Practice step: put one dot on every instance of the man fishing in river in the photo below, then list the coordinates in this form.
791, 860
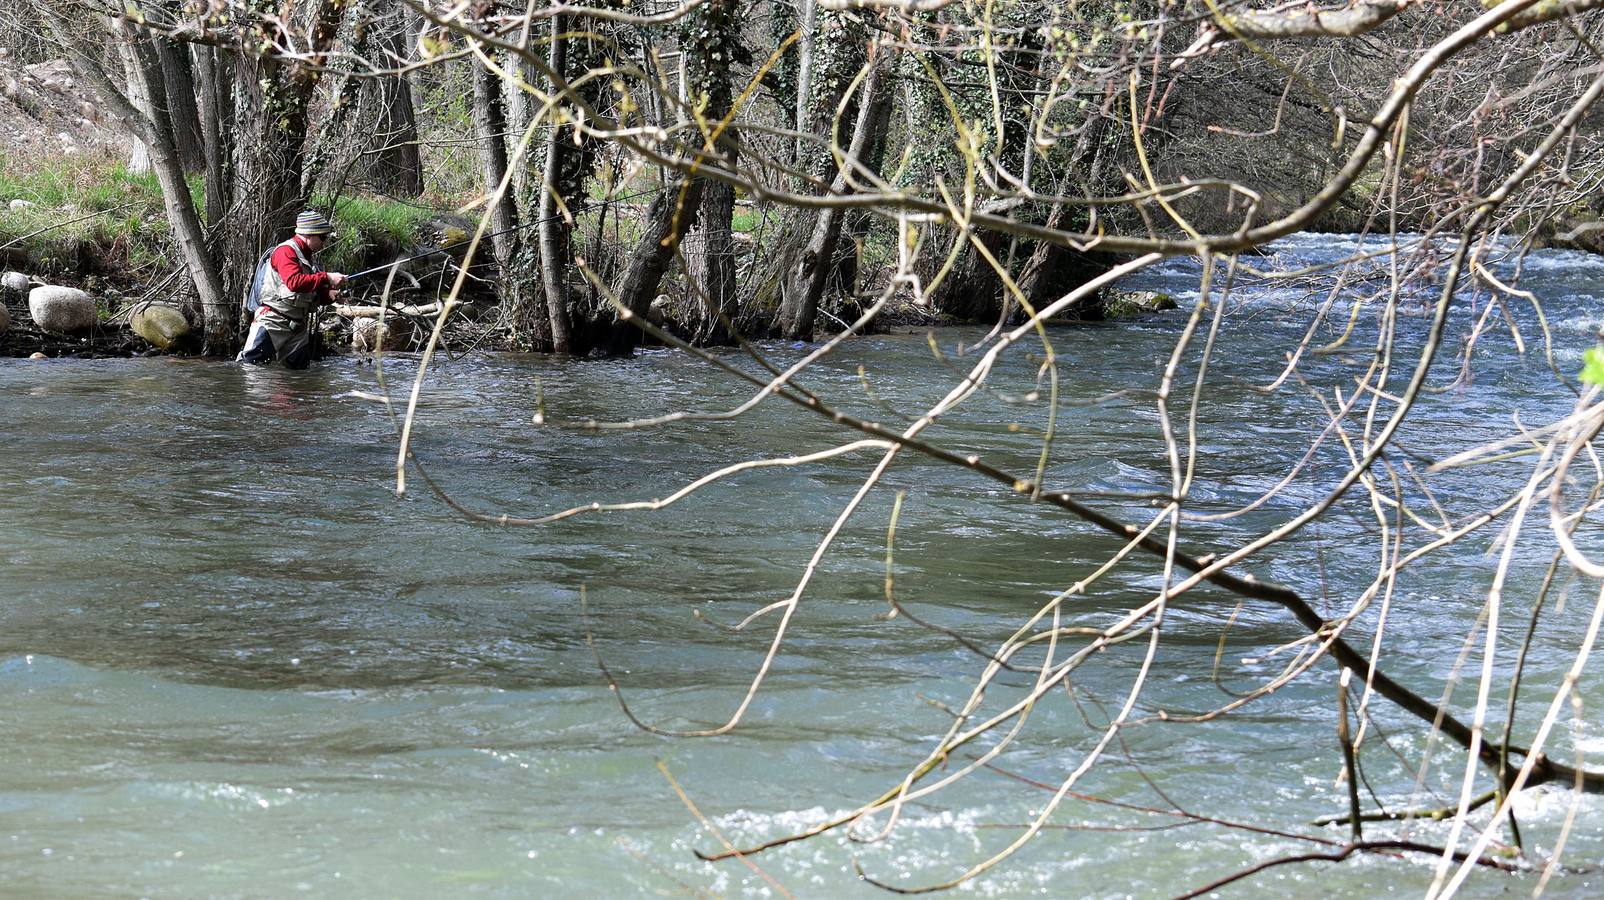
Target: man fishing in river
289, 284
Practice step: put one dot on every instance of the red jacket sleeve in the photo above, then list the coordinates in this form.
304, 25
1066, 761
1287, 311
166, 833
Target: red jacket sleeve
298, 279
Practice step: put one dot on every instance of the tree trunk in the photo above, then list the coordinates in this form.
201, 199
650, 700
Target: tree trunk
709, 42
178, 77
180, 204
710, 259
807, 47
139, 154
150, 122
267, 167
845, 267
669, 218
490, 126
391, 162
556, 237
215, 73
272, 115
804, 287
834, 48
1053, 270
520, 110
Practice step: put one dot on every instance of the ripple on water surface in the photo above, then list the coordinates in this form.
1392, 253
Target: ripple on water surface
233, 661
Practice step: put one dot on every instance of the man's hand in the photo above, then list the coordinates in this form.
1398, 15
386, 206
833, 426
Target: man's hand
336, 279
334, 297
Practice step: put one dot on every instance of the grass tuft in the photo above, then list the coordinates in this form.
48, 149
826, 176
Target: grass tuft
88, 216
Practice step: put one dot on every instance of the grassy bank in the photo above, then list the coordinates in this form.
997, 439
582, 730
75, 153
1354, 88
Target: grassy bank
80, 220
90, 222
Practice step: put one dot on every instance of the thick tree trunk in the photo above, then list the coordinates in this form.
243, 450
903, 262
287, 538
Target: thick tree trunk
710, 259
834, 48
391, 162
709, 42
556, 237
804, 286
1052, 271
215, 73
268, 164
273, 101
669, 218
845, 267
178, 77
490, 126
710, 256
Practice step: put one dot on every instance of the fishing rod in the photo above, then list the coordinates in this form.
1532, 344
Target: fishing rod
463, 243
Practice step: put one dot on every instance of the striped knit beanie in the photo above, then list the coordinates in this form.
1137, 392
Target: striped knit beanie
312, 223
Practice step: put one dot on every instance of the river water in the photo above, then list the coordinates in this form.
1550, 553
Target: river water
234, 663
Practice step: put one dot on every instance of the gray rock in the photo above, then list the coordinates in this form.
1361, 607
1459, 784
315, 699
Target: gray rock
1130, 303
658, 312
61, 309
14, 283
162, 326
20, 203
368, 335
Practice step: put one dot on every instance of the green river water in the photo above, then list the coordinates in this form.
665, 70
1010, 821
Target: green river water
234, 664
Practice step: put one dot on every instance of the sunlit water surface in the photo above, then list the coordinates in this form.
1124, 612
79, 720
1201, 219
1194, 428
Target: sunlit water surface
234, 663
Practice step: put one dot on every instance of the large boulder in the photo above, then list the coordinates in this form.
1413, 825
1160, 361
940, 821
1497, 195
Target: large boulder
368, 335
14, 283
61, 309
162, 326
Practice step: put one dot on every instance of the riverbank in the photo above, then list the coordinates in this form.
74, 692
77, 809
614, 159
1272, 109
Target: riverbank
85, 222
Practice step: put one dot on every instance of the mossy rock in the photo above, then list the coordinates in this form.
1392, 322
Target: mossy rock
1122, 304
163, 327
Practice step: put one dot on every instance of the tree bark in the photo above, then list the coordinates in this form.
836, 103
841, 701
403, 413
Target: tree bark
490, 126
391, 162
804, 285
556, 237
671, 215
215, 73
179, 89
